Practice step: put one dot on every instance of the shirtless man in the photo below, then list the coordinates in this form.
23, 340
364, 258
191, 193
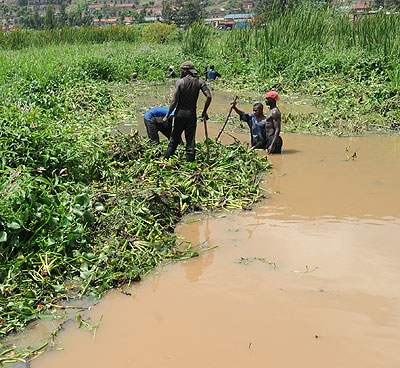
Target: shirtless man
273, 124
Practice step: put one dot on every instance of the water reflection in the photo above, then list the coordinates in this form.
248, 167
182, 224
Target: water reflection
193, 274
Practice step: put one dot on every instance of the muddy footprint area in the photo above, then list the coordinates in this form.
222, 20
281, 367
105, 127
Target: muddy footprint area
308, 277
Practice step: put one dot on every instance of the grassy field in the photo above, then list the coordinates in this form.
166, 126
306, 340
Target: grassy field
83, 211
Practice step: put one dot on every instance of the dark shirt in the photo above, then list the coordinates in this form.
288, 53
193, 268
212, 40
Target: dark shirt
189, 93
211, 75
257, 130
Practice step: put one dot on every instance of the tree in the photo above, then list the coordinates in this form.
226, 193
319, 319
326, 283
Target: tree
122, 16
392, 4
167, 13
142, 14
268, 8
62, 16
36, 20
191, 12
49, 19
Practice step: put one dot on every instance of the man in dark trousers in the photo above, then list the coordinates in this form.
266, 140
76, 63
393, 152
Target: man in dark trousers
153, 121
185, 97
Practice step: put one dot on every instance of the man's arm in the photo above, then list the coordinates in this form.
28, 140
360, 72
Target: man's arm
175, 99
276, 121
239, 112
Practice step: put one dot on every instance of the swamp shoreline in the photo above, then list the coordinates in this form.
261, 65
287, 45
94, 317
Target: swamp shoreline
62, 172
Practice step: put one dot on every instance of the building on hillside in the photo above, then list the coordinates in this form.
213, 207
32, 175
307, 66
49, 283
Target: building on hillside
248, 4
213, 21
236, 21
105, 22
361, 7
93, 7
125, 6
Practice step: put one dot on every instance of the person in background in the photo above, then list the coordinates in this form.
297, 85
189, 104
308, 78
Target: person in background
211, 74
185, 97
153, 120
171, 72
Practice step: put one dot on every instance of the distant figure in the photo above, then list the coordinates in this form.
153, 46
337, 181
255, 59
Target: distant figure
134, 77
153, 120
261, 131
171, 72
211, 74
185, 97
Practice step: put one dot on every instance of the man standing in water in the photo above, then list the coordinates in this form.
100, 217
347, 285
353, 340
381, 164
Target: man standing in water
185, 97
273, 125
256, 122
264, 131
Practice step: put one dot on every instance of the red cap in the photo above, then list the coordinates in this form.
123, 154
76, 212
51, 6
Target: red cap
272, 94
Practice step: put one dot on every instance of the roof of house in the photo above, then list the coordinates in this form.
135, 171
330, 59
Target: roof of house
109, 20
361, 6
238, 16
124, 5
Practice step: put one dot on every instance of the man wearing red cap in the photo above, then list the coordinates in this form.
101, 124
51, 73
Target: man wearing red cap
273, 124
264, 130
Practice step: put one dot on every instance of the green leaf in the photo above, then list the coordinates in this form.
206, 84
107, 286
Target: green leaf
77, 212
88, 216
14, 225
98, 206
58, 288
82, 199
3, 236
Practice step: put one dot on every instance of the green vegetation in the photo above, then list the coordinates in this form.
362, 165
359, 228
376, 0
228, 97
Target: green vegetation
83, 210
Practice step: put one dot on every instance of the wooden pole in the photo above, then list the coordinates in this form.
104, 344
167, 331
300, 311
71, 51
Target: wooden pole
207, 143
226, 120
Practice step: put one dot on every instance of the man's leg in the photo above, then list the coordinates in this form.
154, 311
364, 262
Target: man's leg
278, 145
190, 136
166, 129
152, 130
175, 137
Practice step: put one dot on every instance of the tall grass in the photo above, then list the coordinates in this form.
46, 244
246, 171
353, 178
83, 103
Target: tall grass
20, 38
196, 40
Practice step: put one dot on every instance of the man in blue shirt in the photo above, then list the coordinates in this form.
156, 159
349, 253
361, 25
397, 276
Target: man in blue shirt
261, 137
211, 74
153, 120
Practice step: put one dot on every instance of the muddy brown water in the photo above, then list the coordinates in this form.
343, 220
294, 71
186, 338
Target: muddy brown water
308, 278
331, 226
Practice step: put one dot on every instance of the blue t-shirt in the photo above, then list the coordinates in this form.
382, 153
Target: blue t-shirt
257, 130
157, 112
